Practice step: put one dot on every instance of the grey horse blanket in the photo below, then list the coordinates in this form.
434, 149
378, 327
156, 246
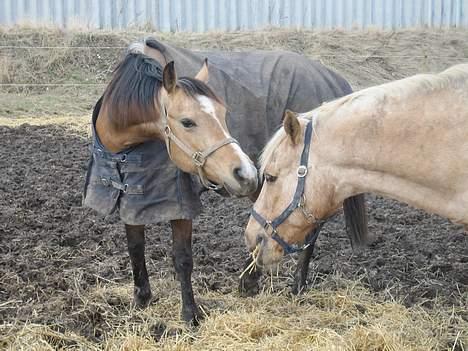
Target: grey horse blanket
257, 86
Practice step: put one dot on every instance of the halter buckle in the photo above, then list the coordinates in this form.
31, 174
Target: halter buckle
301, 171
198, 159
167, 131
310, 218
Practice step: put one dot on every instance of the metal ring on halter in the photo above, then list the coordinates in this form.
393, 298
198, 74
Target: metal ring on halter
301, 171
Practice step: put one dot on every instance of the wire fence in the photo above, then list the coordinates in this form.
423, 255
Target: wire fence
63, 47
361, 57
317, 55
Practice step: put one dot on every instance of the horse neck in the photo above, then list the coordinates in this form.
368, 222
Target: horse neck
117, 139
393, 149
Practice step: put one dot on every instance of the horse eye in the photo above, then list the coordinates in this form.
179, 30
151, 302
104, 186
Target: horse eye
188, 123
269, 178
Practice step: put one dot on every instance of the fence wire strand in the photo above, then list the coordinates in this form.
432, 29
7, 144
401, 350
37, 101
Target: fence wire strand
318, 55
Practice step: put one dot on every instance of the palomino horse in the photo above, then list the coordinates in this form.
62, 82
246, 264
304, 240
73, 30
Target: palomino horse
257, 87
407, 140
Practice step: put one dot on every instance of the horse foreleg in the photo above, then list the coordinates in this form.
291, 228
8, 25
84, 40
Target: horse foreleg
249, 282
183, 264
136, 250
302, 270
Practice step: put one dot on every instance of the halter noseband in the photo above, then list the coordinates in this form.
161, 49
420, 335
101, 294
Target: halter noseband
298, 202
198, 157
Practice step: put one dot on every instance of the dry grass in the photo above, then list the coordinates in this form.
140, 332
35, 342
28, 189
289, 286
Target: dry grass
339, 316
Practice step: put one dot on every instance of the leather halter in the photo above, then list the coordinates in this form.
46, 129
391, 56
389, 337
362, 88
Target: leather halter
198, 157
298, 202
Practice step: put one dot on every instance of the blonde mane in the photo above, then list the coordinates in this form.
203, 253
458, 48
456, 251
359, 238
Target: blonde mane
406, 88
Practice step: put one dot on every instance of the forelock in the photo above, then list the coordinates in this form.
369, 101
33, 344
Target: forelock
270, 148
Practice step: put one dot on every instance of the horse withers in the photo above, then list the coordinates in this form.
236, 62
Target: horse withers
405, 140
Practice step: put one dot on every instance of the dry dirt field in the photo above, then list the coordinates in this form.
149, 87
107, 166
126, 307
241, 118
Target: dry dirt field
65, 276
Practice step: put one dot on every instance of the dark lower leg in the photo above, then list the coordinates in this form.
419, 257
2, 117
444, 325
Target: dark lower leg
183, 264
249, 282
136, 250
302, 270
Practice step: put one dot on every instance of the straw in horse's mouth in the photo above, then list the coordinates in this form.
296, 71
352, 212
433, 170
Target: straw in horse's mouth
253, 265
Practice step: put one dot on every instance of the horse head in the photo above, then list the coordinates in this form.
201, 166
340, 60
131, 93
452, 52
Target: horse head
295, 196
144, 101
197, 137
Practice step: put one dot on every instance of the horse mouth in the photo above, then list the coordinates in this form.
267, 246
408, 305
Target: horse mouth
223, 192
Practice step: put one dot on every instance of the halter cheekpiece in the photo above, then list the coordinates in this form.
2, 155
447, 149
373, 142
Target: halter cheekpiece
198, 157
298, 202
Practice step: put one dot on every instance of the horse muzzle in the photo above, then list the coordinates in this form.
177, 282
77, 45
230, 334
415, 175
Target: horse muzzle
245, 181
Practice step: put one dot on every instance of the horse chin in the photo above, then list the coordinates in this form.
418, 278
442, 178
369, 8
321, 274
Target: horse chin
237, 191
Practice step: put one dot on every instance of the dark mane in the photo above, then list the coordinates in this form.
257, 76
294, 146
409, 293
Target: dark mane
130, 97
193, 87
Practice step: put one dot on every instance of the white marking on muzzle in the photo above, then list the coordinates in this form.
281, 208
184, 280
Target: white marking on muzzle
248, 170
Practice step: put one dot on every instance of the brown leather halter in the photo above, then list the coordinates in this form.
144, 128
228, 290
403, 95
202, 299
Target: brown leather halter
198, 157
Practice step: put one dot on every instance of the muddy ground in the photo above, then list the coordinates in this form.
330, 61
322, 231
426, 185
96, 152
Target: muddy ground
48, 243
52, 249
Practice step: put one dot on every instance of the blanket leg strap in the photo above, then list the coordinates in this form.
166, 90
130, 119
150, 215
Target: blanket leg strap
125, 188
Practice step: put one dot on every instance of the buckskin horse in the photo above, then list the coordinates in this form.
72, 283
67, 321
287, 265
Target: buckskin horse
131, 171
407, 140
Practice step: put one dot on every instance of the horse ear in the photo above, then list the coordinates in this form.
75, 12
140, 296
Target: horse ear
292, 126
169, 78
203, 74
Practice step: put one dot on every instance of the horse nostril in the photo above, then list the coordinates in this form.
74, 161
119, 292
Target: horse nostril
238, 174
247, 178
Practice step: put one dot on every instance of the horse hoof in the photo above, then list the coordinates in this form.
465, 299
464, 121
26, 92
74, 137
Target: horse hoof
142, 297
192, 315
